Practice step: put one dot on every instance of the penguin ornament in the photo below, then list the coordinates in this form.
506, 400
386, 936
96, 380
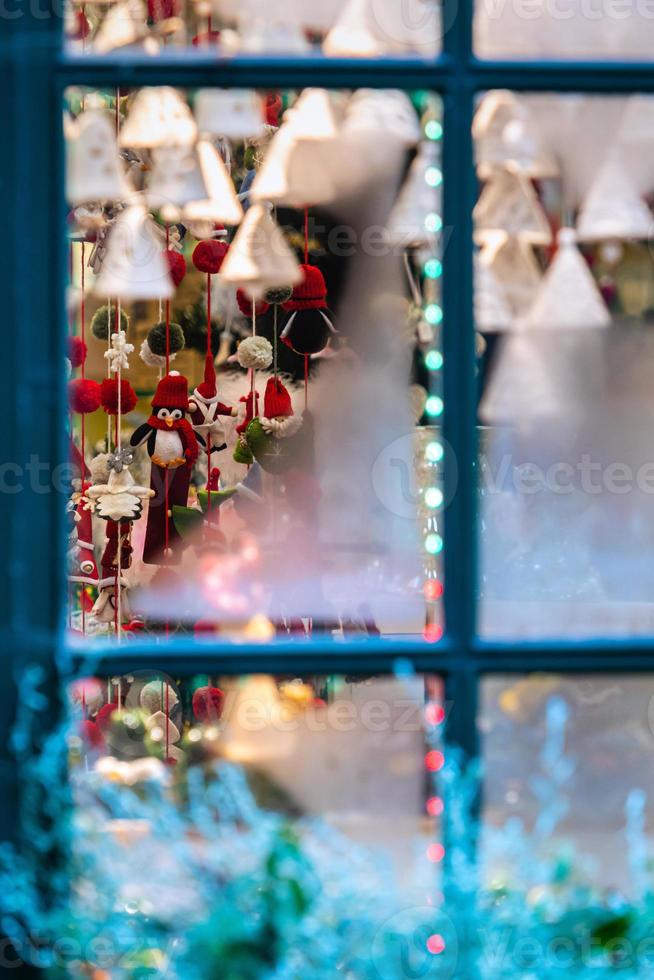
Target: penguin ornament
308, 328
173, 449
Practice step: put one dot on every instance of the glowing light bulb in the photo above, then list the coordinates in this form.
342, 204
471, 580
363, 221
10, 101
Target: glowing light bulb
434, 406
432, 633
433, 314
433, 590
434, 806
434, 544
434, 760
435, 853
434, 360
435, 944
434, 714
433, 497
433, 177
434, 452
433, 130
433, 269
433, 222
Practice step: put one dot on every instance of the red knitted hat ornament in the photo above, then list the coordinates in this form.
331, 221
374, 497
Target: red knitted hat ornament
208, 703
172, 392
109, 396
311, 293
83, 396
207, 388
209, 255
246, 305
91, 734
176, 265
76, 351
276, 400
103, 717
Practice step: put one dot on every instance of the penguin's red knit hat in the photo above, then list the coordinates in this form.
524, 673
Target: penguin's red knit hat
311, 293
172, 392
276, 401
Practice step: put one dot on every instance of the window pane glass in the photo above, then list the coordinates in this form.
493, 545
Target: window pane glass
225, 28
318, 404
564, 299
593, 29
567, 780
296, 824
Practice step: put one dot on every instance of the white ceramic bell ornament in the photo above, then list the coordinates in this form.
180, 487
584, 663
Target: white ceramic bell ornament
388, 113
259, 258
506, 133
234, 113
313, 116
175, 180
409, 222
296, 172
515, 268
523, 387
509, 203
568, 297
134, 266
220, 204
124, 24
492, 311
94, 170
159, 116
352, 35
613, 209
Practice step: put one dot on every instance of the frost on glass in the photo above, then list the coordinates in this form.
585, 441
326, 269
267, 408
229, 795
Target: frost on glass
564, 294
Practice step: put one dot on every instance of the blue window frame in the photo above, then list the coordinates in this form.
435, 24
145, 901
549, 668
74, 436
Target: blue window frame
34, 73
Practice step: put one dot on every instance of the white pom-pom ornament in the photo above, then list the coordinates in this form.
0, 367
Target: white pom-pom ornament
255, 353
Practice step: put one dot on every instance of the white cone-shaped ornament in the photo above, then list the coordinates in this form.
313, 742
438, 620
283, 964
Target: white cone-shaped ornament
613, 208
296, 172
313, 117
94, 171
159, 117
505, 134
192, 181
352, 35
124, 24
522, 387
412, 25
134, 266
234, 113
515, 268
568, 297
637, 122
372, 112
509, 203
492, 311
259, 258
409, 223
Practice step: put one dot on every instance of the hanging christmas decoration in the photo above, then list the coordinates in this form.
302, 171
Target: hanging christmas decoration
134, 266
506, 135
176, 266
568, 297
409, 222
492, 311
206, 410
192, 183
94, 172
117, 398
515, 269
158, 117
613, 208
509, 203
255, 353
105, 318
308, 329
121, 499
124, 25
259, 257
84, 396
234, 113
173, 449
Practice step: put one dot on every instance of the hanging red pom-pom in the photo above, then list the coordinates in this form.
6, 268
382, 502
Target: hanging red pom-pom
208, 703
206, 39
176, 265
83, 396
209, 255
245, 304
311, 293
76, 351
109, 396
273, 108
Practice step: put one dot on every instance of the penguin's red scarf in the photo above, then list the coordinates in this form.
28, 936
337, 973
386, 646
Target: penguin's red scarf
186, 434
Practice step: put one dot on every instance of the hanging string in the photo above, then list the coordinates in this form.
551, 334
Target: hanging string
83, 432
275, 341
306, 236
167, 314
120, 529
306, 381
209, 353
167, 720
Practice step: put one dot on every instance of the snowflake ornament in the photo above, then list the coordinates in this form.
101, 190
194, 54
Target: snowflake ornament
117, 355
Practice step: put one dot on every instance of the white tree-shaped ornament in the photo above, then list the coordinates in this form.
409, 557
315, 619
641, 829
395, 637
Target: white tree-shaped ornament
134, 266
259, 258
159, 116
509, 203
94, 171
613, 208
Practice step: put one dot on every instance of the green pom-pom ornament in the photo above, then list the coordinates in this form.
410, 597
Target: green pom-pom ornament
157, 339
101, 321
278, 295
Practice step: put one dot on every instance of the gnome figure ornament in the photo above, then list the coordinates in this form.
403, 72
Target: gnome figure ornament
173, 448
206, 410
265, 436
